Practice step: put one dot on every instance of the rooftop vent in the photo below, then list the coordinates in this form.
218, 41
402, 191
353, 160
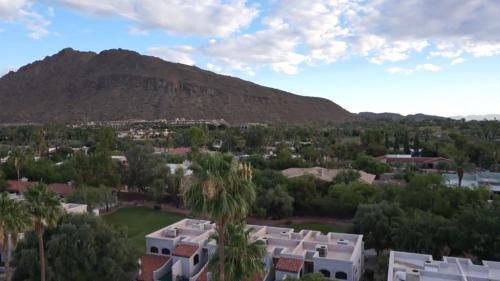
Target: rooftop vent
342, 242
171, 233
322, 250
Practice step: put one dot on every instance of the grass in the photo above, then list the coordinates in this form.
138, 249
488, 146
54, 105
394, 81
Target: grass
324, 228
141, 221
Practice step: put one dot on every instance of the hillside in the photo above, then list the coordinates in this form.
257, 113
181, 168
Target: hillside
120, 85
398, 117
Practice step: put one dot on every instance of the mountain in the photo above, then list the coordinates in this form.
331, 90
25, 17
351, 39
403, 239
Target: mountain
122, 85
477, 117
398, 117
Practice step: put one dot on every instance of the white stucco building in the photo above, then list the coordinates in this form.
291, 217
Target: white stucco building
290, 254
419, 267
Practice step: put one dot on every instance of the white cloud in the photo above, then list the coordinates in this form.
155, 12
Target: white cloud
179, 54
428, 67
446, 54
457, 61
420, 67
21, 11
209, 17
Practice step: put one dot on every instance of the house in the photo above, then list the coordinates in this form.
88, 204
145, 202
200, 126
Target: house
407, 159
322, 174
487, 179
173, 167
188, 245
181, 151
18, 187
405, 266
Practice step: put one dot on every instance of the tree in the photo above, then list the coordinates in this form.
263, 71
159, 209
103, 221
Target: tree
14, 219
196, 136
141, 163
80, 247
370, 165
346, 176
18, 157
243, 257
312, 277
274, 203
93, 197
223, 191
45, 210
3, 182
374, 222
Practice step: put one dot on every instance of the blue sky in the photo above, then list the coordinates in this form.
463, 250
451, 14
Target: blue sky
436, 57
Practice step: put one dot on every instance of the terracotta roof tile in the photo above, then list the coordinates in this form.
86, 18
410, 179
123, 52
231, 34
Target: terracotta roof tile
184, 250
62, 189
149, 264
289, 265
203, 276
19, 186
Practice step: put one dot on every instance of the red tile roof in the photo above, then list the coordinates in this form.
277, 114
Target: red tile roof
184, 250
289, 265
62, 189
149, 264
179, 150
19, 186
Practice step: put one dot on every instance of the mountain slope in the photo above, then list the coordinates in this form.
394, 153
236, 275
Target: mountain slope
398, 117
120, 85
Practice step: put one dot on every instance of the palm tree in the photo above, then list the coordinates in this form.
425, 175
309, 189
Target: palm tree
243, 258
14, 219
223, 191
18, 157
45, 209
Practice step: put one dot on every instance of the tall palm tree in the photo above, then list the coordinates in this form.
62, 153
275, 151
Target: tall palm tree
45, 209
18, 157
14, 219
223, 191
243, 258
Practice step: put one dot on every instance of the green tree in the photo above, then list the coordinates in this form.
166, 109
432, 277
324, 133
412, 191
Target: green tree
274, 203
3, 181
45, 210
370, 165
374, 222
14, 219
93, 197
80, 247
312, 277
196, 136
18, 158
243, 257
223, 191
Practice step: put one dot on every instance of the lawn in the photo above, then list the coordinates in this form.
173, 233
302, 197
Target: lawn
324, 228
141, 221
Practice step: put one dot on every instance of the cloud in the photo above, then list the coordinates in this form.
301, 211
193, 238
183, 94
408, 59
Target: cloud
179, 54
457, 61
210, 17
21, 11
420, 67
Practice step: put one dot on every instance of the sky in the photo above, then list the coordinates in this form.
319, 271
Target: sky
413, 56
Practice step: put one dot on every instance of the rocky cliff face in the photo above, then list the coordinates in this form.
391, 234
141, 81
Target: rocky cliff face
119, 85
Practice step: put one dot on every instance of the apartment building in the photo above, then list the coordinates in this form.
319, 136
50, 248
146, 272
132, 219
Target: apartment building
420, 267
188, 246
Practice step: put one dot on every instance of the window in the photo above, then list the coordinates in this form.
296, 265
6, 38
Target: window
165, 251
341, 275
196, 259
153, 250
325, 273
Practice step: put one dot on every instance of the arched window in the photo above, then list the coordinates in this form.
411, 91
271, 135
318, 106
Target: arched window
165, 251
153, 250
341, 275
196, 259
325, 273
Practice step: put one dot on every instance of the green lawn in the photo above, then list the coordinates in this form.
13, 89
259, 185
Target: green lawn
141, 221
324, 228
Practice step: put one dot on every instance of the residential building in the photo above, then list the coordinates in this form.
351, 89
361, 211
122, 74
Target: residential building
405, 266
173, 167
60, 189
407, 159
322, 174
487, 179
289, 254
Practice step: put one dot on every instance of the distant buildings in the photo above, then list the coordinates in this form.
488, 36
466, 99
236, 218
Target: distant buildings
60, 189
487, 179
183, 249
184, 166
419, 267
325, 175
407, 159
